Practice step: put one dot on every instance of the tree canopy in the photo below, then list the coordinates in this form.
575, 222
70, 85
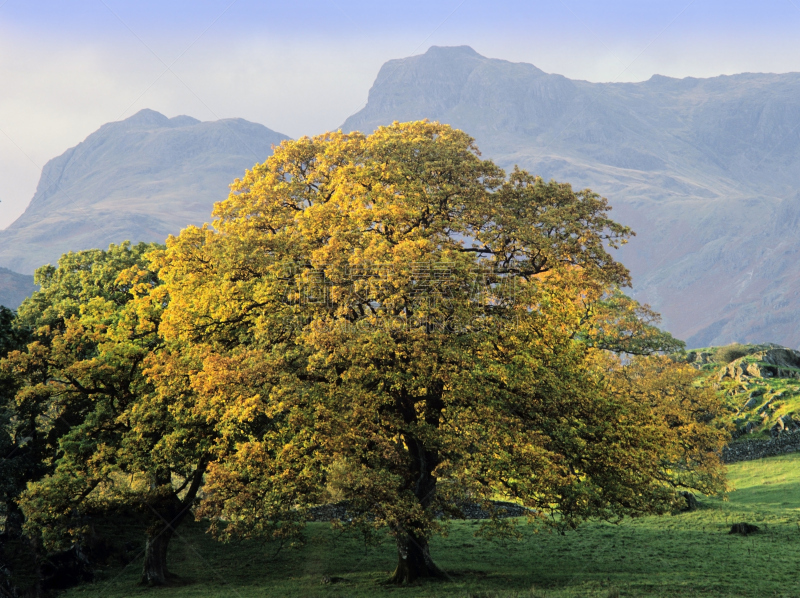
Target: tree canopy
394, 316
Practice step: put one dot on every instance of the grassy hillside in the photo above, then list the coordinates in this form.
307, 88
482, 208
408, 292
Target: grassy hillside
761, 385
687, 554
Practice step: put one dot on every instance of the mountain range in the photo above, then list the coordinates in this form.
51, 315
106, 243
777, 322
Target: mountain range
706, 171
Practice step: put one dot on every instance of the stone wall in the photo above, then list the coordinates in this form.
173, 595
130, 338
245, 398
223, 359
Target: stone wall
747, 450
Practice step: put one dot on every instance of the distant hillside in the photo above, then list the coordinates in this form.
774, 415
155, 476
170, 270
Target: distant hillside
706, 171
139, 179
14, 288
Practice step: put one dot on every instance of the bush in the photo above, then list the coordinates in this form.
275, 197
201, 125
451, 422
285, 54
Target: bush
731, 352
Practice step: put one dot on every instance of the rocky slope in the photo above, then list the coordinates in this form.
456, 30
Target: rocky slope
761, 385
706, 171
139, 179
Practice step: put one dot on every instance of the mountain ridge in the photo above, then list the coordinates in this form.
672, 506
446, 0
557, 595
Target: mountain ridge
705, 170
14, 288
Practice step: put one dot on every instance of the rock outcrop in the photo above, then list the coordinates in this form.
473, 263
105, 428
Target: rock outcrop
758, 448
743, 529
775, 362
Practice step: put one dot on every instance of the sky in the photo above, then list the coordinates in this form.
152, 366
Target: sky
302, 67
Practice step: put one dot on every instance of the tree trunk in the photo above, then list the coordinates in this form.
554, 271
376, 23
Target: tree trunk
14, 520
170, 511
154, 570
26, 553
414, 558
414, 561
413, 554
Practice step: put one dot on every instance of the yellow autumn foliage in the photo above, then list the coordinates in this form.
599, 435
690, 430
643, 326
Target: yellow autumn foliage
395, 303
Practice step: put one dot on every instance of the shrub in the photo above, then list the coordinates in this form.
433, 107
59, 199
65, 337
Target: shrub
731, 352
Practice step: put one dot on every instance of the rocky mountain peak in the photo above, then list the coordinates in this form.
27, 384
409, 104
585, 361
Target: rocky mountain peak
139, 179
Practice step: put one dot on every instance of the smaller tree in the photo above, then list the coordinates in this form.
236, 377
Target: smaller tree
687, 414
114, 439
22, 460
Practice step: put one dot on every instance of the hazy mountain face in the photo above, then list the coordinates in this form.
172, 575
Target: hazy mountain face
706, 171
14, 288
140, 179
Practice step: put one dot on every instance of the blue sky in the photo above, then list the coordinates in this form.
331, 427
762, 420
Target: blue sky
302, 67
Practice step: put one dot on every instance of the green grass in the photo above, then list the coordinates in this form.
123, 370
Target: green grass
689, 554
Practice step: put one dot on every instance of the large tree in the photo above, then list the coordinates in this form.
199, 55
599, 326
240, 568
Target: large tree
396, 317
107, 437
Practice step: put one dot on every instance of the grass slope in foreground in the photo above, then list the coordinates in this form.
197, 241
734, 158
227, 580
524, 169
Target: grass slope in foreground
689, 554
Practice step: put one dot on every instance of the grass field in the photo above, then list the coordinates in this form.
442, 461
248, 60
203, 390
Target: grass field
689, 554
